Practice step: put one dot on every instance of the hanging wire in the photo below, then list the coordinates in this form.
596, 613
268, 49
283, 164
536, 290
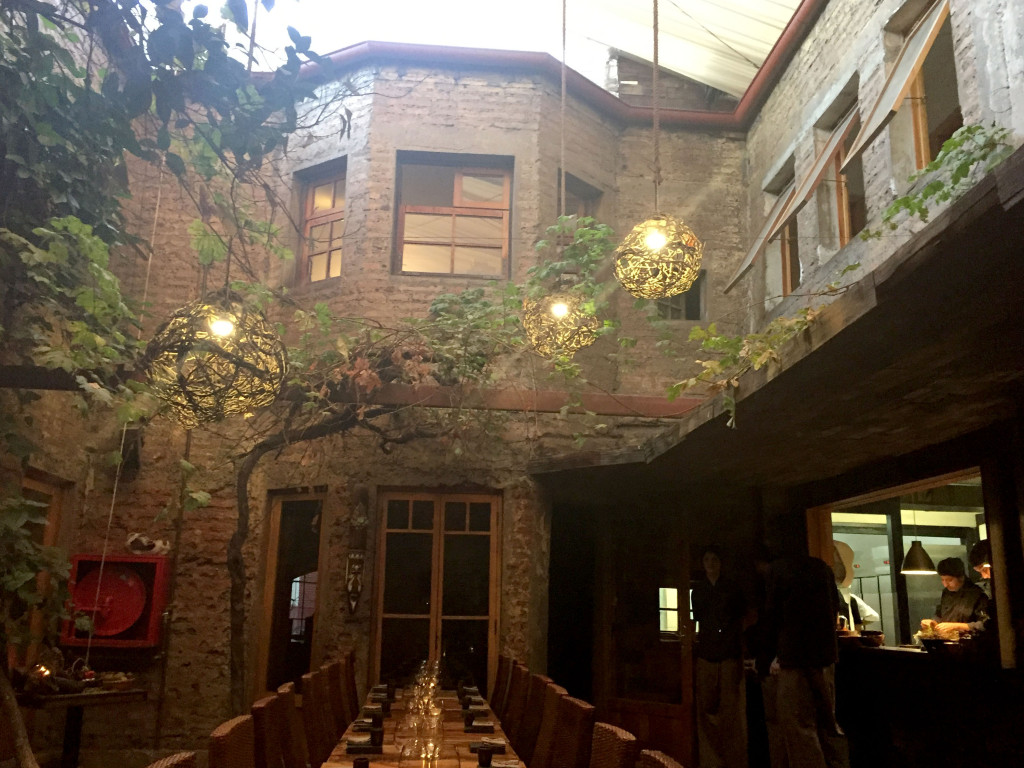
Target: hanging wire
654, 111
561, 175
124, 427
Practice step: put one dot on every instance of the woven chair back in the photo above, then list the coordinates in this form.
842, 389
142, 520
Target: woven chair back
529, 727
499, 692
544, 751
295, 752
232, 744
269, 722
574, 732
314, 720
350, 691
613, 747
652, 758
177, 760
518, 689
335, 694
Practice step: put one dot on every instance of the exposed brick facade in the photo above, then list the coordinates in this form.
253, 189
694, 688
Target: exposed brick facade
713, 179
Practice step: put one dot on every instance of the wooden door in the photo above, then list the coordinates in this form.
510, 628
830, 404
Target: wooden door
643, 669
290, 594
437, 594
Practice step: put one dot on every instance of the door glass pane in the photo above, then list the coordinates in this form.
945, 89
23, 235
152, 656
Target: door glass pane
483, 188
455, 516
427, 258
423, 515
464, 649
481, 230
435, 228
404, 644
398, 513
292, 617
477, 261
480, 516
407, 573
467, 563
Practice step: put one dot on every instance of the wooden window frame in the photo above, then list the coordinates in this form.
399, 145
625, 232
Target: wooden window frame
788, 253
311, 219
461, 207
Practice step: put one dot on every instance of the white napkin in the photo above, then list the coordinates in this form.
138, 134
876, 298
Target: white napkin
493, 741
359, 740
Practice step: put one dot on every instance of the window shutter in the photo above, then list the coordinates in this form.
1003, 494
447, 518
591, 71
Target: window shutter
782, 203
907, 65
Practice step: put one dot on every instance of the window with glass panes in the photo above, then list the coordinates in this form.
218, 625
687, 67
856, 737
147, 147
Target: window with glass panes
453, 221
324, 227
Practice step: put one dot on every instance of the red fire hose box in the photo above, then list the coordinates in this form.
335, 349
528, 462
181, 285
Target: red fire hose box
124, 595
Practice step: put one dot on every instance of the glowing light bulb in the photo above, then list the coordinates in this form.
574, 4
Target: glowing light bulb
221, 326
655, 239
560, 309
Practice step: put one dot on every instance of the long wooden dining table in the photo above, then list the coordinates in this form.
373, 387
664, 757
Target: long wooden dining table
455, 752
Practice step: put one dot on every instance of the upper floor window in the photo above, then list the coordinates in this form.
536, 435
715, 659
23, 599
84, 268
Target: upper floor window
581, 199
923, 77
453, 219
842, 205
324, 226
688, 305
783, 271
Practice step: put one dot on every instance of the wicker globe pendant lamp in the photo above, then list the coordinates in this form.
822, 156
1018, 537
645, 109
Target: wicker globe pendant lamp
661, 256
560, 323
216, 357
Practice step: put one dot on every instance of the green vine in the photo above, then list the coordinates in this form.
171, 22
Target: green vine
948, 176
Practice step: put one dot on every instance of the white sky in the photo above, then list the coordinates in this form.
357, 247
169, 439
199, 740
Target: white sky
527, 25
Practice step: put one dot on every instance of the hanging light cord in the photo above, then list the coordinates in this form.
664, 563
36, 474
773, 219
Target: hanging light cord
124, 428
654, 111
561, 174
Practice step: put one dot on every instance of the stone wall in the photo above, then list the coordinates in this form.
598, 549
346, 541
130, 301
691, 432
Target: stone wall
849, 43
392, 109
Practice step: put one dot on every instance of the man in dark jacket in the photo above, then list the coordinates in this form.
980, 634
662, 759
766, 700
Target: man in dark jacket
802, 605
718, 608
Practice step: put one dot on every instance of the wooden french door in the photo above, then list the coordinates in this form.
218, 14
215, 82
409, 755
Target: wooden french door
437, 591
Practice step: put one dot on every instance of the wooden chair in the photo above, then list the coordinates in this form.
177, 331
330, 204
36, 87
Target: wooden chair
232, 744
574, 733
314, 723
517, 691
349, 689
499, 691
335, 694
529, 726
296, 753
544, 750
613, 747
269, 719
652, 758
178, 760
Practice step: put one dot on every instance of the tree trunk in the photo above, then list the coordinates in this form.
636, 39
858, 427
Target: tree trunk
9, 711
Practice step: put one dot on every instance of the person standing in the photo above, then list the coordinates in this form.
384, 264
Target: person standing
802, 606
719, 607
